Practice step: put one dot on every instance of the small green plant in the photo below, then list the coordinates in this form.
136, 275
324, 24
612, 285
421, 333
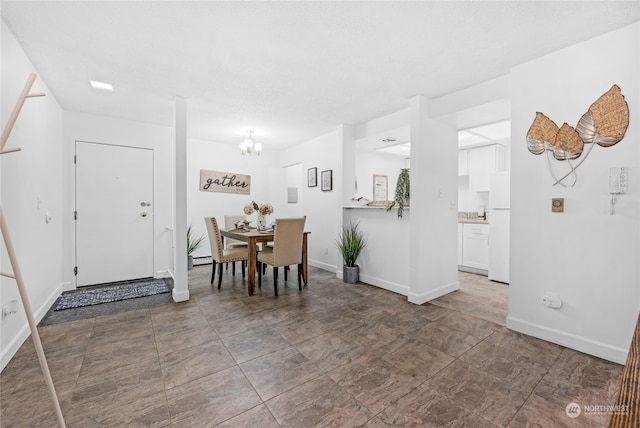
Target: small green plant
193, 243
401, 198
350, 242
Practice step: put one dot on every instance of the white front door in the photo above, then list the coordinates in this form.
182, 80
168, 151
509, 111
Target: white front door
114, 213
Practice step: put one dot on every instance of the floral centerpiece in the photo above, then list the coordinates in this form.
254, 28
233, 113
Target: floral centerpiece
262, 210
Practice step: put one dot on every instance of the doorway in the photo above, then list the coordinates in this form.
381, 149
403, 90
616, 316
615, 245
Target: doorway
113, 213
483, 221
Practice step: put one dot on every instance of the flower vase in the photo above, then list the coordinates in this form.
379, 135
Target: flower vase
262, 222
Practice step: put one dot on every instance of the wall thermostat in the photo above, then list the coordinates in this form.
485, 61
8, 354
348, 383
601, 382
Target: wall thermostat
557, 205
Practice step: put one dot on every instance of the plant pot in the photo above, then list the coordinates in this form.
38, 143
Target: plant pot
350, 274
189, 262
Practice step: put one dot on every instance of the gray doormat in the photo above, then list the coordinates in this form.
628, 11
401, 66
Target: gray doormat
111, 293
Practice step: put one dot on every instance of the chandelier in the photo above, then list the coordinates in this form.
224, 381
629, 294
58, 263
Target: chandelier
249, 147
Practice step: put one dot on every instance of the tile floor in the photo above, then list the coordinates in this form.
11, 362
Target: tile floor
333, 355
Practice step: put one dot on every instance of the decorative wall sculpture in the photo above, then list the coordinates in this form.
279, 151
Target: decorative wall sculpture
605, 124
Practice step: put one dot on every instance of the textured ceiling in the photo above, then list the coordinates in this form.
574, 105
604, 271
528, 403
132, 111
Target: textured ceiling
291, 70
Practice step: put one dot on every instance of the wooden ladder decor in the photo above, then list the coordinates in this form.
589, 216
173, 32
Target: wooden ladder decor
17, 275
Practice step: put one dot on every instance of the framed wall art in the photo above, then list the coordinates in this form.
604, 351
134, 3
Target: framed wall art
327, 180
380, 188
226, 182
312, 177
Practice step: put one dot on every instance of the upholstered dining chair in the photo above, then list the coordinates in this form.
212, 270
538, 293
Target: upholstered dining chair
286, 250
230, 223
221, 255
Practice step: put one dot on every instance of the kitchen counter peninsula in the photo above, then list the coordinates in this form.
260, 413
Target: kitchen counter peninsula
384, 261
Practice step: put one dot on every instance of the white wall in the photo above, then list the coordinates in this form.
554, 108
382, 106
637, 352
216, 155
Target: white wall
271, 173
86, 127
323, 209
385, 260
369, 163
585, 255
31, 188
434, 205
469, 200
297, 179
212, 156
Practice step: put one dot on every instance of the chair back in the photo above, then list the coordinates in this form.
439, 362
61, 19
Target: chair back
230, 223
215, 240
287, 241
231, 220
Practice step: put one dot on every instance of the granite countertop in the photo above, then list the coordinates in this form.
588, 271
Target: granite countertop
473, 220
471, 217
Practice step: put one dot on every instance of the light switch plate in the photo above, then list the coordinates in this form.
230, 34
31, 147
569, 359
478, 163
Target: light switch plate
557, 205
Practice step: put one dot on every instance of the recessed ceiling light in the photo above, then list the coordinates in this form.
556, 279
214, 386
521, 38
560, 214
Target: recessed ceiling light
101, 85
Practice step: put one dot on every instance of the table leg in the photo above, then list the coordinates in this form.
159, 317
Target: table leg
251, 268
305, 270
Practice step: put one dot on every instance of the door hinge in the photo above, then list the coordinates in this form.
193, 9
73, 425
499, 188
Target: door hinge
75, 215
75, 271
75, 159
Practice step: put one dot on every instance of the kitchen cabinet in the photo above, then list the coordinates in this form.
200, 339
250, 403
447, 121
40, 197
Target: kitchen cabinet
475, 245
481, 163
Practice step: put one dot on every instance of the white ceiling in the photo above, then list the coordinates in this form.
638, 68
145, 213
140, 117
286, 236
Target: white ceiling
289, 70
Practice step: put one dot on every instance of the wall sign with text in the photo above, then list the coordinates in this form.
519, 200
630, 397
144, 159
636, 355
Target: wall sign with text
227, 182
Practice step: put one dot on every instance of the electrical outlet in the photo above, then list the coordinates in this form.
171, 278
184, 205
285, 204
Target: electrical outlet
552, 300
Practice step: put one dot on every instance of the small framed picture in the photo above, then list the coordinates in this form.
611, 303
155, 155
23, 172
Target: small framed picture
380, 190
312, 177
327, 180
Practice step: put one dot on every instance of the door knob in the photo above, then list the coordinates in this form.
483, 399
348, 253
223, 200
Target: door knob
143, 214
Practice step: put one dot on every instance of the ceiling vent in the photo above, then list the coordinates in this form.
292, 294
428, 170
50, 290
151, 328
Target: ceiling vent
388, 140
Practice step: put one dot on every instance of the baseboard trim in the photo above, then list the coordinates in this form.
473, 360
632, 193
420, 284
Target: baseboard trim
470, 269
382, 283
579, 343
23, 334
321, 265
420, 299
161, 274
68, 286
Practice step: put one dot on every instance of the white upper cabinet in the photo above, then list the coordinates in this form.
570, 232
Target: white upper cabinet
481, 163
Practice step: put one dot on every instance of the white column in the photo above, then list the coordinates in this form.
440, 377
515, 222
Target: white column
346, 133
180, 288
433, 205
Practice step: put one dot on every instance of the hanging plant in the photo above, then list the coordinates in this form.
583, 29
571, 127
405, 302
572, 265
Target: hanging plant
401, 198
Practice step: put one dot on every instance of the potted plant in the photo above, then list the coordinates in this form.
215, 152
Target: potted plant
350, 242
193, 244
401, 198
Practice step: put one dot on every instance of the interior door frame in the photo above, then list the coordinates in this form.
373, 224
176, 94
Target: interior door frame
75, 205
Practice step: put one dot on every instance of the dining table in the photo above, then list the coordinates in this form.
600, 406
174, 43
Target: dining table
254, 236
